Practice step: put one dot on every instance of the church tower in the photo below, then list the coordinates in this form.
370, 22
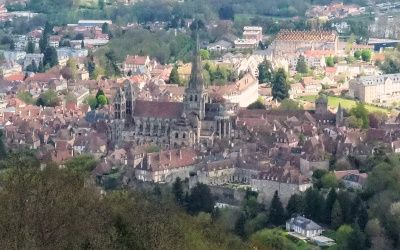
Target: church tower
119, 104
339, 116
195, 93
129, 99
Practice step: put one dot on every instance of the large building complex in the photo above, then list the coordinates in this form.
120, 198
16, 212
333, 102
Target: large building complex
381, 89
288, 41
197, 120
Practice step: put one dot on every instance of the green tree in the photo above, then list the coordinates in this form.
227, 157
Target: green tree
239, 228
259, 104
276, 211
329, 181
105, 29
362, 216
48, 99
301, 66
357, 54
200, 199
290, 105
356, 240
313, 205
102, 100
204, 54
366, 55
43, 42
174, 76
343, 234
280, 87
268, 239
329, 202
360, 112
336, 215
26, 97
295, 205
30, 49
177, 190
50, 57
91, 100
265, 72
329, 61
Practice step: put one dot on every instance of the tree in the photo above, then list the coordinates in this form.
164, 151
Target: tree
91, 100
226, 13
174, 76
362, 216
43, 42
276, 211
268, 239
329, 203
48, 99
102, 100
101, 4
239, 228
290, 105
357, 54
343, 234
356, 240
204, 54
329, 61
295, 205
301, 66
105, 29
12, 45
265, 72
200, 199
50, 57
366, 55
313, 204
280, 88
361, 113
391, 65
329, 181
377, 119
259, 104
30, 49
336, 215
177, 190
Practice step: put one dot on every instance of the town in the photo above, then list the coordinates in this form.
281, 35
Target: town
291, 127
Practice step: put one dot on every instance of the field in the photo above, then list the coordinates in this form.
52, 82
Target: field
333, 102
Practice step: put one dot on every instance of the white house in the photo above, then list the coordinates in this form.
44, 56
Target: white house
303, 226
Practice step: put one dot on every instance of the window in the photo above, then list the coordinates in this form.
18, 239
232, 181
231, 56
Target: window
176, 136
195, 98
184, 135
191, 98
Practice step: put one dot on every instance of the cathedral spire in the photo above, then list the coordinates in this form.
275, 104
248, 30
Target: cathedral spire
196, 80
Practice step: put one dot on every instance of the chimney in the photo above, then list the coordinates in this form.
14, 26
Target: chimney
180, 154
169, 155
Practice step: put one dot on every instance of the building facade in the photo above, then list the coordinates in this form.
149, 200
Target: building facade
381, 89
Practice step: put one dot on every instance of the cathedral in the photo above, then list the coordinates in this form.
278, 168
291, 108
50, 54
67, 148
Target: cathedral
198, 120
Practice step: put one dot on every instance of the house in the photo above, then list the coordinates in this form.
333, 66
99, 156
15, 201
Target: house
165, 166
29, 58
136, 63
352, 178
303, 226
219, 46
246, 43
54, 41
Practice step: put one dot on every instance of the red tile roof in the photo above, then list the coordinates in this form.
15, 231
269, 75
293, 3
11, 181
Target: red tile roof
158, 109
136, 60
15, 77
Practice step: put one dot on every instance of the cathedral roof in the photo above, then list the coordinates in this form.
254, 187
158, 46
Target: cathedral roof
170, 110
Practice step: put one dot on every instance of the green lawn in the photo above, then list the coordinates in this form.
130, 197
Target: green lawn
333, 102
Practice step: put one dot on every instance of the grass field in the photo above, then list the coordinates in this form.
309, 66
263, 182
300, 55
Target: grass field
333, 102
